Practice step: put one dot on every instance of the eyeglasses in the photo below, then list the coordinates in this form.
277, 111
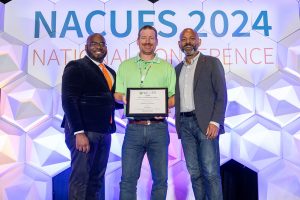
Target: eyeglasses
96, 44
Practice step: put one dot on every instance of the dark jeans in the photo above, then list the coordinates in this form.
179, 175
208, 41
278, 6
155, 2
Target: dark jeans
202, 159
140, 139
87, 178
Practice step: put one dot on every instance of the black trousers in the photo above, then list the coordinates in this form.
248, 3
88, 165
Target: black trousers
87, 178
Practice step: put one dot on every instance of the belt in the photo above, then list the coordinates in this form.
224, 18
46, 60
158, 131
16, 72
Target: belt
145, 122
187, 114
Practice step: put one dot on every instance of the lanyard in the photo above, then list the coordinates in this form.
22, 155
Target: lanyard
143, 75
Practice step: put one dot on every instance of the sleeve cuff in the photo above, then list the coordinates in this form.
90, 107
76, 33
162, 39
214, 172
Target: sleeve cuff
215, 123
75, 133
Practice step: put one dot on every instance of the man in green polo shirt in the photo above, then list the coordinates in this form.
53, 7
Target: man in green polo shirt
151, 135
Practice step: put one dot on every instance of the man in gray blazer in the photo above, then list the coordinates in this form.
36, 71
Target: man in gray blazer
200, 103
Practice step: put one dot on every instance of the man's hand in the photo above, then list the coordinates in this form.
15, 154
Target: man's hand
82, 143
171, 101
120, 98
212, 131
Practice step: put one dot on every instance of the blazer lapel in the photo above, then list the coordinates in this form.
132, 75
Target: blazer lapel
178, 70
198, 69
92, 64
99, 72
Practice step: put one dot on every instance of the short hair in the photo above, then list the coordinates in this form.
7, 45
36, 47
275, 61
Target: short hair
147, 27
89, 38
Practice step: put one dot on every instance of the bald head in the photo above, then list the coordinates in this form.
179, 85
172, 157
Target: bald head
190, 30
96, 47
189, 42
90, 37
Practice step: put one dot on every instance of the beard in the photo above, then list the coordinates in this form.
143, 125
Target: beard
189, 52
99, 57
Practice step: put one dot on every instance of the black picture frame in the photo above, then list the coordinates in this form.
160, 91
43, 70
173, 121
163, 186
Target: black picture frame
148, 91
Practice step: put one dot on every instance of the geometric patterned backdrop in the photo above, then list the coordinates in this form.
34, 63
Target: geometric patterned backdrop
262, 75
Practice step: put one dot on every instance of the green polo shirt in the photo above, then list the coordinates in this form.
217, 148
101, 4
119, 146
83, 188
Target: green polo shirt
138, 73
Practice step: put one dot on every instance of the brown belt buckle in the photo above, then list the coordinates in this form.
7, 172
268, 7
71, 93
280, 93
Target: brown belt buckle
148, 122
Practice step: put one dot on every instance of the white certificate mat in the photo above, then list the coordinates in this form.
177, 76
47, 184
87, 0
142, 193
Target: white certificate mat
147, 102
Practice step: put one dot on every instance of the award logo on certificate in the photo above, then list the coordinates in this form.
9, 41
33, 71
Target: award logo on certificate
147, 102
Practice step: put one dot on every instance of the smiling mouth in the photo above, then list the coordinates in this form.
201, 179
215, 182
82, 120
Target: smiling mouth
188, 47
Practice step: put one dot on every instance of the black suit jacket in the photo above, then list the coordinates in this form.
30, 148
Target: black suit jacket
86, 99
210, 93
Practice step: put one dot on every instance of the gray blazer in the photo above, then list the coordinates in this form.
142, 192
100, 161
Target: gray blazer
210, 93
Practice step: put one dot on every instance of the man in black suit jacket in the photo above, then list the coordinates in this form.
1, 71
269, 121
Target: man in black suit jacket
200, 104
88, 103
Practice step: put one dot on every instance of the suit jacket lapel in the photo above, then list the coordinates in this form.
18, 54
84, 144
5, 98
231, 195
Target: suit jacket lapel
198, 69
97, 68
178, 70
92, 64
177, 90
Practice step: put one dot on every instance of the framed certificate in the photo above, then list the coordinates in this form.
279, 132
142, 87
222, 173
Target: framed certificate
147, 102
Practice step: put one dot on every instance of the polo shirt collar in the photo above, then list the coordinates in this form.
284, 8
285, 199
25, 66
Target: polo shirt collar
154, 60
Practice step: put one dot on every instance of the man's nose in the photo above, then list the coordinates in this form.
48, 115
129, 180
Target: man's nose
188, 41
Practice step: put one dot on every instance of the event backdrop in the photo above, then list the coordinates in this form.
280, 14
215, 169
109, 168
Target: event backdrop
258, 42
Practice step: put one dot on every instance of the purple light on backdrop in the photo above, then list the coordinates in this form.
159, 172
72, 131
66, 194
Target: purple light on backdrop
1, 17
